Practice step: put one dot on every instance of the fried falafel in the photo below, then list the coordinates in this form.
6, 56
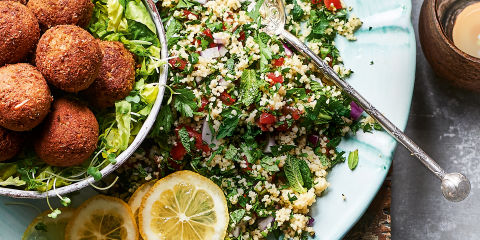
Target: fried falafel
69, 57
25, 98
52, 13
116, 76
68, 136
19, 32
10, 143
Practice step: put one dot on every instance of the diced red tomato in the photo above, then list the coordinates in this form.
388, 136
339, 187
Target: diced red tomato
337, 4
267, 118
316, 2
212, 44
242, 36
282, 128
295, 113
275, 78
208, 33
195, 135
178, 63
278, 62
178, 152
204, 103
187, 13
227, 99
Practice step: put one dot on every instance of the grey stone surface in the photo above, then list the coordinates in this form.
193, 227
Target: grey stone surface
445, 121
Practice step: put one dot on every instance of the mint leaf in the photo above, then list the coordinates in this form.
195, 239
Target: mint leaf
293, 174
184, 138
297, 12
256, 12
174, 26
265, 51
353, 159
306, 174
248, 152
249, 87
164, 120
228, 126
231, 152
269, 164
185, 102
237, 215
95, 173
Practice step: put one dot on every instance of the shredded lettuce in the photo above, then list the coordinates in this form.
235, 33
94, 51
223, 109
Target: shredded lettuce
136, 11
122, 112
117, 22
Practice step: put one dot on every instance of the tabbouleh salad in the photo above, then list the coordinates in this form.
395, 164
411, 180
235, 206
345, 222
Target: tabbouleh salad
244, 110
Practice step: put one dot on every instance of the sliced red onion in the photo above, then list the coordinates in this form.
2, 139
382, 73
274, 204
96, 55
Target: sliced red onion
288, 51
310, 222
210, 53
219, 40
313, 139
222, 50
356, 111
270, 144
236, 231
263, 223
206, 133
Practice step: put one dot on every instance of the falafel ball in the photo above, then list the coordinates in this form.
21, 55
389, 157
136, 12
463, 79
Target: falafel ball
68, 135
116, 76
25, 98
69, 57
20, 1
10, 143
52, 13
19, 32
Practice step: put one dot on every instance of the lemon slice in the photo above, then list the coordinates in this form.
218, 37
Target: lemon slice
45, 227
184, 206
102, 217
136, 199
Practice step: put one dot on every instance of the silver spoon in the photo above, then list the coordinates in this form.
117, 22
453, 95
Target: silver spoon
455, 186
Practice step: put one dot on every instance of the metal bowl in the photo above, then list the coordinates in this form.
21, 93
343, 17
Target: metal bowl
147, 125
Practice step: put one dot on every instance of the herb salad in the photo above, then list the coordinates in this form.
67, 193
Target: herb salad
245, 111
128, 22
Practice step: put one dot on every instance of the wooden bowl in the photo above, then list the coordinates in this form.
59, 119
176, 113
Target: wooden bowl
437, 18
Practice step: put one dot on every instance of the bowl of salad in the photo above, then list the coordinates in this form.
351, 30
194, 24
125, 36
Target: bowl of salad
129, 30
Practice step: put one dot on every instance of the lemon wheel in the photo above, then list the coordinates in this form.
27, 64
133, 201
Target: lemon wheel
102, 217
136, 199
184, 206
45, 227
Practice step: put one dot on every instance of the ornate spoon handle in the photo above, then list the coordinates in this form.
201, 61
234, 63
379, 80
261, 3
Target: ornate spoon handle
455, 186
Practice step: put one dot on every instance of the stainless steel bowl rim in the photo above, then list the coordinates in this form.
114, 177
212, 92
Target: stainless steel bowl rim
147, 125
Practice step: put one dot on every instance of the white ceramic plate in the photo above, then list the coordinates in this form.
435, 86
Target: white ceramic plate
388, 84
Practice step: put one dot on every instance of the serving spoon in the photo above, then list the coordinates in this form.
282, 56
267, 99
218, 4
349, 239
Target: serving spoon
455, 186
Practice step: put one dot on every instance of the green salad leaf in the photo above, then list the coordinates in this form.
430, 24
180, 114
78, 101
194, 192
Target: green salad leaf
12, 181
137, 11
123, 111
115, 10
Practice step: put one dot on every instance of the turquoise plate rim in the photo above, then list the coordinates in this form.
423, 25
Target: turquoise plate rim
371, 169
